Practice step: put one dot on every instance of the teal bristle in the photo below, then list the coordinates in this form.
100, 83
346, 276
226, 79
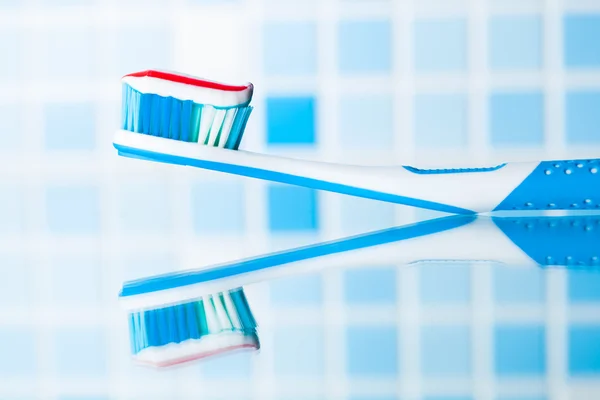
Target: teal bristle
171, 118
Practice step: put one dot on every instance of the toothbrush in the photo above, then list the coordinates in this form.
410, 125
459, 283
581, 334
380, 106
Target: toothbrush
167, 117
572, 242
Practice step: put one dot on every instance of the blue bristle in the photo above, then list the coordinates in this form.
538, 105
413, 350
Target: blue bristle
151, 328
145, 104
192, 320
241, 304
185, 121
181, 321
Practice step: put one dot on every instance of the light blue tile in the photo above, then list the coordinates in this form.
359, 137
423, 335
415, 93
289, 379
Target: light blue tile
515, 42
290, 48
370, 285
62, 3
366, 121
440, 45
519, 285
582, 40
583, 286
445, 283
139, 49
372, 351
12, 209
11, 50
19, 352
81, 352
364, 215
520, 350
18, 291
70, 53
229, 366
76, 280
582, 117
73, 209
11, 127
584, 350
218, 207
291, 120
301, 290
517, 119
365, 46
145, 207
70, 126
10, 3
445, 351
299, 351
441, 120
292, 208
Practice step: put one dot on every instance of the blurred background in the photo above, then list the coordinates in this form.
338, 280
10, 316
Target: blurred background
423, 82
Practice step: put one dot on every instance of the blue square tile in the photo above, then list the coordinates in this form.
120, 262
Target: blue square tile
11, 49
515, 42
291, 120
17, 291
11, 128
441, 120
12, 209
76, 280
236, 366
445, 284
218, 207
440, 45
73, 209
290, 48
582, 117
445, 351
18, 349
372, 351
70, 126
10, 3
367, 121
370, 285
81, 352
141, 48
519, 350
582, 40
364, 215
584, 350
365, 46
145, 207
292, 208
298, 351
583, 286
69, 53
517, 119
519, 285
301, 290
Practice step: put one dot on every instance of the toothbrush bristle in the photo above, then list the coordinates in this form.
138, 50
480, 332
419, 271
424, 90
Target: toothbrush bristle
207, 326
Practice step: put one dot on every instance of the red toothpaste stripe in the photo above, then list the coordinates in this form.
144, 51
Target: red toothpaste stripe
167, 76
199, 356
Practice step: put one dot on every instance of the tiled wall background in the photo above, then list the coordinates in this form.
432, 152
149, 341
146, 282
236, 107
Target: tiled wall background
366, 81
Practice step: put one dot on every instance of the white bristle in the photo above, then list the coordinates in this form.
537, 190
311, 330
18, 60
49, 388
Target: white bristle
216, 127
227, 124
206, 121
222, 313
232, 311
211, 315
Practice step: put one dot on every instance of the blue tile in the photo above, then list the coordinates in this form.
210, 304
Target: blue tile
70, 126
230, 366
10, 3
517, 119
445, 284
582, 40
520, 350
218, 207
290, 48
582, 117
18, 291
73, 209
515, 42
364, 215
145, 207
445, 351
11, 128
80, 352
291, 120
441, 120
440, 45
11, 50
584, 350
141, 48
70, 53
298, 351
292, 208
367, 121
365, 46
76, 280
372, 351
12, 209
18, 349
370, 285
301, 290
583, 286
519, 285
